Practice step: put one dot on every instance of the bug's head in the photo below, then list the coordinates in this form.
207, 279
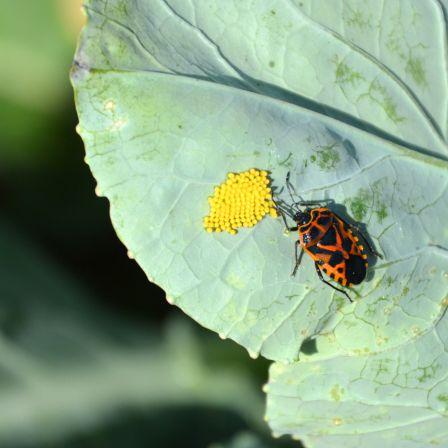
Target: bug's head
302, 217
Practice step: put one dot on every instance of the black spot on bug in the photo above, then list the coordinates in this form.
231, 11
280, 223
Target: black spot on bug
355, 269
336, 259
323, 221
325, 270
340, 269
302, 218
319, 250
346, 244
314, 233
331, 275
329, 239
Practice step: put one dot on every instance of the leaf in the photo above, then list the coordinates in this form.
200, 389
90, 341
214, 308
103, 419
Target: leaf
392, 398
242, 440
67, 366
172, 96
158, 151
381, 68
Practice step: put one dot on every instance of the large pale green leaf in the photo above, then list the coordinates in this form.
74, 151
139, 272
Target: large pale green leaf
383, 65
157, 144
173, 95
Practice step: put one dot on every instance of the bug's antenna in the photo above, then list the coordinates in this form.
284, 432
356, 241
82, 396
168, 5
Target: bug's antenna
289, 186
291, 190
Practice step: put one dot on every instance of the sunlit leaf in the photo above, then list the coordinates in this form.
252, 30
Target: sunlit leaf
156, 152
382, 67
174, 95
393, 398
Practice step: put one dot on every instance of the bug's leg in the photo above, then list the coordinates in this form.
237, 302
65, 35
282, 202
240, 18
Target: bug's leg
289, 229
284, 218
283, 209
358, 231
282, 213
298, 258
319, 273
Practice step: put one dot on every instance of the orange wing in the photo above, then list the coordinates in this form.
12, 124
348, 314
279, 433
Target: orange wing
311, 232
340, 255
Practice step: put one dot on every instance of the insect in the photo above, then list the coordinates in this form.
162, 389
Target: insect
330, 241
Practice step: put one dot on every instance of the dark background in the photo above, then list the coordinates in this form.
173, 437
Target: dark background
75, 312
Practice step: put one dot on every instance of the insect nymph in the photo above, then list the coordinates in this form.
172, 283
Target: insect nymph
329, 240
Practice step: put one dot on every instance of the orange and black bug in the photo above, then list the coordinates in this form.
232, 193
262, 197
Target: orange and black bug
330, 241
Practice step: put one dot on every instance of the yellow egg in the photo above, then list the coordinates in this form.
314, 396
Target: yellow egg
242, 200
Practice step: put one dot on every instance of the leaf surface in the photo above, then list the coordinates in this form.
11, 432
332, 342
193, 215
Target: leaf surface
392, 398
173, 95
381, 66
156, 152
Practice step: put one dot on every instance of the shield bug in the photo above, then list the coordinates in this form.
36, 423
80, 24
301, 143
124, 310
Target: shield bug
329, 240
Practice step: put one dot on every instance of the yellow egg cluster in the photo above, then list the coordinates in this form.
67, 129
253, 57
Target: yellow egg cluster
241, 201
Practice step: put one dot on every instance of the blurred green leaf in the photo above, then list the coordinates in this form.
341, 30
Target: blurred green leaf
242, 440
36, 44
67, 366
37, 50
